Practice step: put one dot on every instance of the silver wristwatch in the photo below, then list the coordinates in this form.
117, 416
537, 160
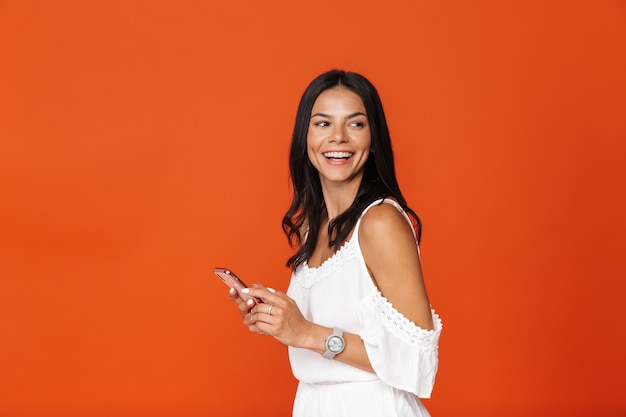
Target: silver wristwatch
334, 344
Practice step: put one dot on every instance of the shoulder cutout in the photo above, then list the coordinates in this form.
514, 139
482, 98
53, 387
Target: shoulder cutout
391, 255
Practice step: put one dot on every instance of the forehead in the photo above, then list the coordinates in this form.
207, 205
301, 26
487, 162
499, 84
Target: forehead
338, 98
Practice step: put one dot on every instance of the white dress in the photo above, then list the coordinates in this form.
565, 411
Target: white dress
340, 293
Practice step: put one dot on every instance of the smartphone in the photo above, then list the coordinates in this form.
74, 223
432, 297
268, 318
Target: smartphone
233, 281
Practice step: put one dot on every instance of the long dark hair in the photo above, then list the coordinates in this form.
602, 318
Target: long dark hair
379, 177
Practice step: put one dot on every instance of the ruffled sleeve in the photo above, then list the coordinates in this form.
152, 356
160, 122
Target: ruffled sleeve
402, 354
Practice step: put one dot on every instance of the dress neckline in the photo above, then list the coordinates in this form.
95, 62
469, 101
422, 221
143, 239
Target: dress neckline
354, 236
331, 258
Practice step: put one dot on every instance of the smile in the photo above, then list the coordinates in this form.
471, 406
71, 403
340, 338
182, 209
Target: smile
338, 155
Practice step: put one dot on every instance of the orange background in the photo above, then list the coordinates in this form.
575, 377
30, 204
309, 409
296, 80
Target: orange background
144, 143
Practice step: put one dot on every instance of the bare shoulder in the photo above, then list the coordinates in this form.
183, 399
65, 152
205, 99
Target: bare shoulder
384, 221
391, 255
387, 242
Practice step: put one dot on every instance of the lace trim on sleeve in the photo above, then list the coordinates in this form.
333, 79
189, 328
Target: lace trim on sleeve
401, 326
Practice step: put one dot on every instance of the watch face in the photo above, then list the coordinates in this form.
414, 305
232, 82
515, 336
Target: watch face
335, 344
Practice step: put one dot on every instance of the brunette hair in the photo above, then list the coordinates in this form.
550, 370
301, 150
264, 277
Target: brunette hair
379, 178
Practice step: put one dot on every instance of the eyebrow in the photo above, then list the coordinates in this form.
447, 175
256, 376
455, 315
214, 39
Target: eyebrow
350, 116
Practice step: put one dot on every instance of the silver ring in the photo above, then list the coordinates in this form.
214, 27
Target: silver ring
269, 310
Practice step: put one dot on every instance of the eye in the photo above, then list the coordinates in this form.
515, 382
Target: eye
356, 123
321, 123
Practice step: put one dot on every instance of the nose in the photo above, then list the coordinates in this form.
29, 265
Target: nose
338, 134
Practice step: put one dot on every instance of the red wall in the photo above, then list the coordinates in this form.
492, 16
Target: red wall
144, 143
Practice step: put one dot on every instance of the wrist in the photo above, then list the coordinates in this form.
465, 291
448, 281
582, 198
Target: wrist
315, 338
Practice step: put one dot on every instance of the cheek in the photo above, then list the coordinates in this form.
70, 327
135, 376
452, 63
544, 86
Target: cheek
367, 142
312, 144
311, 154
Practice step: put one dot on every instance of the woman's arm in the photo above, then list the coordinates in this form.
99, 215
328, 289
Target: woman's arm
390, 252
287, 325
391, 255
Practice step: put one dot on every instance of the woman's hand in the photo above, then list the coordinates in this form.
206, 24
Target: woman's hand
244, 310
278, 316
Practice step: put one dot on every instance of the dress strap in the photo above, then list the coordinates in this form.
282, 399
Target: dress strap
388, 201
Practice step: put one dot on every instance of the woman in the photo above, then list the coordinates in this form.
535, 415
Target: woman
361, 334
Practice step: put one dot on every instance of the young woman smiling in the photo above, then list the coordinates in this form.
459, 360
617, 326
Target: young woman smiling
362, 337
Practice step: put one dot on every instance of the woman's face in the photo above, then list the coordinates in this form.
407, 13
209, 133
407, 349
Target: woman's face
339, 138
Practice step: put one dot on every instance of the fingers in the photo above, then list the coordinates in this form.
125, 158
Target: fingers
261, 317
273, 309
243, 306
253, 328
268, 295
234, 295
264, 313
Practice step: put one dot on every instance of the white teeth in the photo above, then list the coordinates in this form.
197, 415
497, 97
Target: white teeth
337, 154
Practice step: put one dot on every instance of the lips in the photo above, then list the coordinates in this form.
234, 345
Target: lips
338, 155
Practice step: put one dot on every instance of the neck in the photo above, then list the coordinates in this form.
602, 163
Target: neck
339, 197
